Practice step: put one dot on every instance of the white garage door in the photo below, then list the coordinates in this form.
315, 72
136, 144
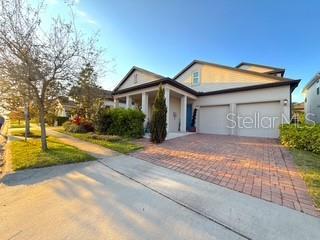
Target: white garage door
213, 119
259, 119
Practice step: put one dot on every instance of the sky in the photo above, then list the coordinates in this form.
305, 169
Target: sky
164, 36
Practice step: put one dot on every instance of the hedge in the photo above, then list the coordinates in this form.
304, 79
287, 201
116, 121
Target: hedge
302, 136
121, 122
61, 120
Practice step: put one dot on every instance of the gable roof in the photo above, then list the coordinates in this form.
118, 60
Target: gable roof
131, 71
312, 81
259, 65
233, 69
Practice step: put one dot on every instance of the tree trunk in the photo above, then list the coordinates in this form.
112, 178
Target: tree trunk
27, 121
44, 145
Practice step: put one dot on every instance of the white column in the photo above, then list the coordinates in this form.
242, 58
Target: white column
145, 106
128, 102
167, 96
116, 103
183, 114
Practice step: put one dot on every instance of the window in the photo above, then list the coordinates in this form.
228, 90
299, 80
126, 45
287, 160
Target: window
317, 90
135, 78
195, 78
305, 100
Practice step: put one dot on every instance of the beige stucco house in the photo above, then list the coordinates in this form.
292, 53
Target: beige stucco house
246, 100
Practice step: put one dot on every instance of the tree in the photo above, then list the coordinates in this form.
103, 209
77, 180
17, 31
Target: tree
159, 118
51, 59
15, 95
17, 115
88, 95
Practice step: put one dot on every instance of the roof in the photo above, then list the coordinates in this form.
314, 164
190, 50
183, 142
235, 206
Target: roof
65, 101
131, 71
234, 69
156, 83
259, 65
312, 81
293, 84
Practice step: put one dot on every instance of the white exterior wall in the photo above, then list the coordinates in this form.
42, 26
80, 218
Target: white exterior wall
174, 108
141, 79
216, 78
312, 106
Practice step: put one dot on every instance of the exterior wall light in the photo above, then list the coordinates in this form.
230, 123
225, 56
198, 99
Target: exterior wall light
285, 102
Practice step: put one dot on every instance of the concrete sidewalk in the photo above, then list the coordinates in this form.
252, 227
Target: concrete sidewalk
93, 149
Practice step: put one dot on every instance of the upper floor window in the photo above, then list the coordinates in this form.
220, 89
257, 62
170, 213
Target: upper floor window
317, 90
135, 78
305, 100
195, 78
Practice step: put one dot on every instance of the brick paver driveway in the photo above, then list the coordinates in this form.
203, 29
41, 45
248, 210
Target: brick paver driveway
259, 167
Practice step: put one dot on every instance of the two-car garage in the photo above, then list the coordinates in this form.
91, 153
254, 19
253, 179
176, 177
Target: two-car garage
255, 119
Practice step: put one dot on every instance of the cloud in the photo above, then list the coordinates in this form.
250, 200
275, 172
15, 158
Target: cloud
86, 17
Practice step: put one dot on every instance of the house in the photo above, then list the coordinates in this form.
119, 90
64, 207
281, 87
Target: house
298, 112
312, 99
246, 100
64, 107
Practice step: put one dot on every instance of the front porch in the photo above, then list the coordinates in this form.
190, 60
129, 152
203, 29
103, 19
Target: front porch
179, 106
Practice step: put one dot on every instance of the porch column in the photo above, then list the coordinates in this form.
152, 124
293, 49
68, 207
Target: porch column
116, 103
145, 106
128, 102
183, 114
167, 96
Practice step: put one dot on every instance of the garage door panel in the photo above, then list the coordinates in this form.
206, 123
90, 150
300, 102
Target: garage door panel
259, 119
213, 120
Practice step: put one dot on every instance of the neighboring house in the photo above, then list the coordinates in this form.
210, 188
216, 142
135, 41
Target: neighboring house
64, 107
108, 99
298, 107
298, 112
218, 99
312, 99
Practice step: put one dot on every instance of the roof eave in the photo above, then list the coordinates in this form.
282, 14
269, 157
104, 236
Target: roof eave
230, 68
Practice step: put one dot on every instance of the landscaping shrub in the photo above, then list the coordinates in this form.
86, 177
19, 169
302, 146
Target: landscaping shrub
122, 122
73, 128
78, 125
61, 120
303, 136
158, 125
103, 121
109, 138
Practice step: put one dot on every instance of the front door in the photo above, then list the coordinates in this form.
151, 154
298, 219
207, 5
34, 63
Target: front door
189, 116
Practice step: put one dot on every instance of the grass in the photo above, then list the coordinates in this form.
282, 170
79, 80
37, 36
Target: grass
34, 133
29, 155
16, 125
122, 145
309, 165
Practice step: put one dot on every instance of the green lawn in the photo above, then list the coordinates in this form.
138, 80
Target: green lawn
29, 155
309, 165
34, 133
16, 125
119, 144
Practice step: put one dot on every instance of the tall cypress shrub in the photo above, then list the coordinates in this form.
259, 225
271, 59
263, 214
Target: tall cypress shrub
158, 127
